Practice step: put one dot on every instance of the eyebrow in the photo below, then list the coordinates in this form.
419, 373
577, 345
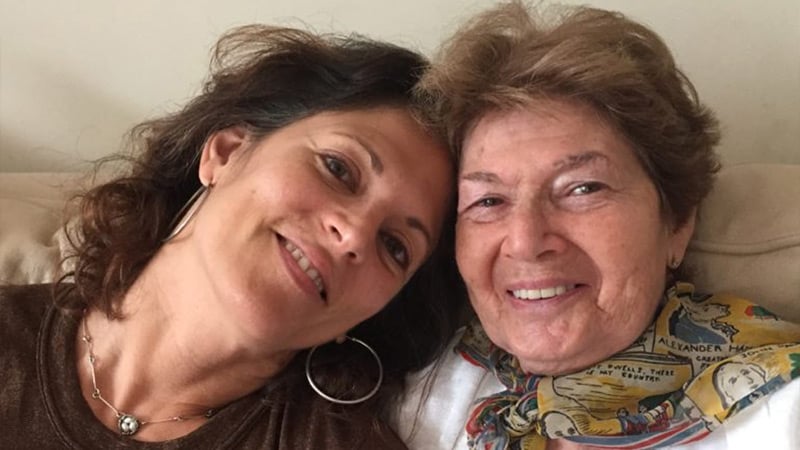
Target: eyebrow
481, 176
374, 160
581, 159
568, 163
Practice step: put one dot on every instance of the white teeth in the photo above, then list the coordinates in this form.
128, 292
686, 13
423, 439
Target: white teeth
303, 262
536, 294
305, 265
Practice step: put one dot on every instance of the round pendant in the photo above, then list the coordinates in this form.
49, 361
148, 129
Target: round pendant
128, 425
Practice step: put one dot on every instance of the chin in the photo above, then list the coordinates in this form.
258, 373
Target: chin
539, 361
553, 357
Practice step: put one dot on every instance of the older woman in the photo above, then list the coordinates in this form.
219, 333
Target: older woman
584, 154
319, 199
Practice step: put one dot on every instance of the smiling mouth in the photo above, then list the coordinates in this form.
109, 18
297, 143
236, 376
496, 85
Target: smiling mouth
541, 294
305, 265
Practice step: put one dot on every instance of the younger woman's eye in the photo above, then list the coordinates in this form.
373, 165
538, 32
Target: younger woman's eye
396, 249
340, 170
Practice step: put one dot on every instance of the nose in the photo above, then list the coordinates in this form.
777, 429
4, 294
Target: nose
349, 234
532, 234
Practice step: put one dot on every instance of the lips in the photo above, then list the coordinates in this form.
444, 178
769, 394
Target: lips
305, 265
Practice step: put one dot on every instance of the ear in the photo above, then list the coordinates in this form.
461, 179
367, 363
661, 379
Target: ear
219, 151
680, 237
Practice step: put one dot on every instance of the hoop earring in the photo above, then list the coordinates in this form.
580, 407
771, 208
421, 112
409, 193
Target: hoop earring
186, 212
340, 401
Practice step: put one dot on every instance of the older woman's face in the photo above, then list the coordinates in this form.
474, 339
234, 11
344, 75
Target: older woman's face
560, 237
314, 228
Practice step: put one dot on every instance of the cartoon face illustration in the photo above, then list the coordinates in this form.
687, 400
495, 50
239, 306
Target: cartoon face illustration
706, 312
735, 380
702, 323
556, 425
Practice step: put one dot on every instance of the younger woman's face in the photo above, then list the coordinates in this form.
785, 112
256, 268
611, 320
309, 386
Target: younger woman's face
313, 229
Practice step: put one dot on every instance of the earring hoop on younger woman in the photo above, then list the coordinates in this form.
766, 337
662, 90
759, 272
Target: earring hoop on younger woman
186, 212
340, 401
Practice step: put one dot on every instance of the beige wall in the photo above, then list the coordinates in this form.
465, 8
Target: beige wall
74, 75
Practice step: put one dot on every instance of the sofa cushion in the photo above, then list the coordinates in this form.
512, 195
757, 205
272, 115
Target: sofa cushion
31, 211
747, 238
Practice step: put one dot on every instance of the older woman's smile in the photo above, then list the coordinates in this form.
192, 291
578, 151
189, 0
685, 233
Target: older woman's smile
541, 294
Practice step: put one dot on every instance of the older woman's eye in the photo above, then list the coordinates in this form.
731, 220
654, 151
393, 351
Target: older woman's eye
340, 170
489, 202
587, 188
396, 249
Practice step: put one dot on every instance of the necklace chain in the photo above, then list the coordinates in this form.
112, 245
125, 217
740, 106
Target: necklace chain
127, 424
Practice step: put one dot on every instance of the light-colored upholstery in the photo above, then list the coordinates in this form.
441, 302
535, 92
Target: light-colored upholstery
747, 239
32, 206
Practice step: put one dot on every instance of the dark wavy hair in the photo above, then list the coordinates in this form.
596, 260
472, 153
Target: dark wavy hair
263, 78
513, 55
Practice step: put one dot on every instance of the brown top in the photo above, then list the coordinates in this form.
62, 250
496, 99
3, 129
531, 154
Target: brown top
41, 405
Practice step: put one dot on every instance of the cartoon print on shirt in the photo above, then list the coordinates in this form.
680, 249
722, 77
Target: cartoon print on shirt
705, 326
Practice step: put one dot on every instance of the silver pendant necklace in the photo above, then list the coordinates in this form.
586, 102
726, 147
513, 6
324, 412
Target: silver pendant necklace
127, 424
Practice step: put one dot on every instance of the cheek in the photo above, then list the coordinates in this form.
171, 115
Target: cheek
630, 265
632, 257
472, 256
380, 301
631, 299
377, 296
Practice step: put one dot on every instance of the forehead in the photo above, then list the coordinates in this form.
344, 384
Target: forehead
381, 122
533, 132
388, 132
